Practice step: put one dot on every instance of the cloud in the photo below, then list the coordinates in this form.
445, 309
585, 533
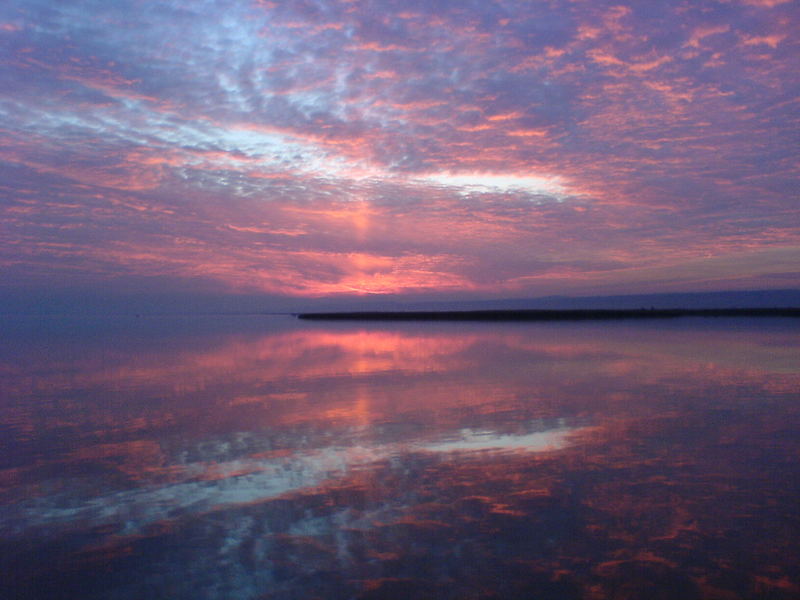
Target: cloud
327, 147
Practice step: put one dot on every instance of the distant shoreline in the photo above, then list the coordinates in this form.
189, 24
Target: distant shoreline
548, 315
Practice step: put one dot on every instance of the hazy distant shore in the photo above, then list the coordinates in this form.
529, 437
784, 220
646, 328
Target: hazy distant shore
548, 315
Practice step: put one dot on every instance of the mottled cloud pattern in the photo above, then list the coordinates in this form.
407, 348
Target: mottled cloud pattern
313, 147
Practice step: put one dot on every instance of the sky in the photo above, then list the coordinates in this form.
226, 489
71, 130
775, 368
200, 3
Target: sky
398, 148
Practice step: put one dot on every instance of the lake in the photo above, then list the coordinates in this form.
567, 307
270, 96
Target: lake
260, 457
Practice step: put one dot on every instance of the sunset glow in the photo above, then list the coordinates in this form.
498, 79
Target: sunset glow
347, 148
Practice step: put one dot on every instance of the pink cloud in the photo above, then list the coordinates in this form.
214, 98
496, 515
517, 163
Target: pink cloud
302, 158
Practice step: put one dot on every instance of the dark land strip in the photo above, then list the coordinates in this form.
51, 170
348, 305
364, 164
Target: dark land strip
549, 315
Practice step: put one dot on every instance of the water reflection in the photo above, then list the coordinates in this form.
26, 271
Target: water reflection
284, 460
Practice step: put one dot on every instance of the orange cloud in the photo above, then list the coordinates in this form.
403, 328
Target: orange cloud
700, 33
767, 40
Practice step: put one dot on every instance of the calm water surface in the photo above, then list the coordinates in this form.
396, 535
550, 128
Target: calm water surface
265, 458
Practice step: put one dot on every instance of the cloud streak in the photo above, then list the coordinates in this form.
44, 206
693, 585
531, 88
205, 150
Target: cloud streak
321, 147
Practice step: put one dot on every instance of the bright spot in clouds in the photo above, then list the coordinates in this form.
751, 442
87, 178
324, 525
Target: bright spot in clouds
410, 147
500, 182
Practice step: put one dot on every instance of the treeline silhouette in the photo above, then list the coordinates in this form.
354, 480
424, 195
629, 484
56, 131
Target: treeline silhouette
549, 315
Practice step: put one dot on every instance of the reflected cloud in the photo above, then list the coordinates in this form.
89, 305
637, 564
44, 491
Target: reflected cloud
200, 487
470, 440
300, 451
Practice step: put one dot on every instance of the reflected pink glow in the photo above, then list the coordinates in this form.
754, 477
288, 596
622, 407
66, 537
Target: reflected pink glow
356, 378
632, 450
